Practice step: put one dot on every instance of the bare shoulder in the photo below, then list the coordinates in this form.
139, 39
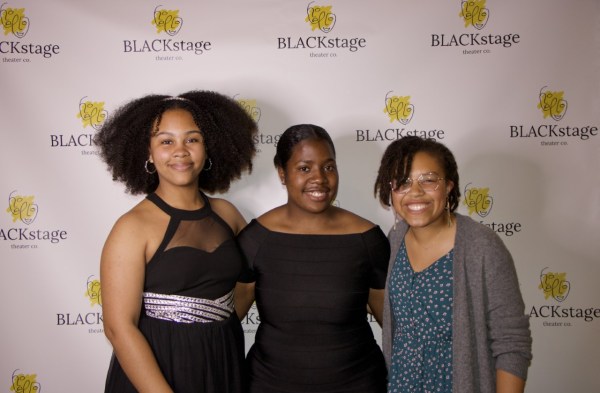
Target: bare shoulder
228, 212
353, 223
135, 234
135, 220
273, 219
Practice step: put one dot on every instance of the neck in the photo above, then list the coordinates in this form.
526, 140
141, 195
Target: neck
308, 222
185, 198
429, 235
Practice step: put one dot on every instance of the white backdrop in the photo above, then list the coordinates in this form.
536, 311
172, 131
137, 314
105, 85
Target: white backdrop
512, 87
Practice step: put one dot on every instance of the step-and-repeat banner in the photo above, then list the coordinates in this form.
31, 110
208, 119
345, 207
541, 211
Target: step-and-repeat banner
512, 87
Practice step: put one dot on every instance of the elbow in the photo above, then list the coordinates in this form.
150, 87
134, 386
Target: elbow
115, 332
109, 332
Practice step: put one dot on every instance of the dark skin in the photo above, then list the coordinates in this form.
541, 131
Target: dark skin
178, 153
311, 180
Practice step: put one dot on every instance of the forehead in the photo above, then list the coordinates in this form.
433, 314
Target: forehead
177, 118
312, 150
424, 162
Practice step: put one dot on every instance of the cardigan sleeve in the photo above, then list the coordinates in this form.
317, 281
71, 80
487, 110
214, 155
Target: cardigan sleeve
508, 326
395, 237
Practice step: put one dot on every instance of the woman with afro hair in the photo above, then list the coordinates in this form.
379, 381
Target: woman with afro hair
170, 265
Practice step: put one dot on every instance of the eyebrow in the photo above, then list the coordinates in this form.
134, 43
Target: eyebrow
326, 160
428, 173
166, 132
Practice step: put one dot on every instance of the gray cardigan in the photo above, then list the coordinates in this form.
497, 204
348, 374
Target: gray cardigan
489, 328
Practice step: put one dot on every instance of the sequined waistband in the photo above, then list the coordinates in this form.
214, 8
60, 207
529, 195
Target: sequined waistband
185, 309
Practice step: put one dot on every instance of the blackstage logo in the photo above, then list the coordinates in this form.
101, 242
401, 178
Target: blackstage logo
475, 14
91, 320
556, 289
24, 383
167, 22
24, 209
16, 23
252, 107
251, 320
553, 105
399, 111
92, 116
479, 202
321, 18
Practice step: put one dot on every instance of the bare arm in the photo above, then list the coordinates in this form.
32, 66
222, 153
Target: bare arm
244, 292
244, 297
508, 383
122, 269
376, 303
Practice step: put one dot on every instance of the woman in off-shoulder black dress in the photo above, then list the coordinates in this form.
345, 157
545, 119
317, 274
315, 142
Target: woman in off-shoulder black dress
314, 268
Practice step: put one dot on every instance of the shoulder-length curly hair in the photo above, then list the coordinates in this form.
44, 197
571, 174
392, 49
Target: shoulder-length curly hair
227, 129
397, 160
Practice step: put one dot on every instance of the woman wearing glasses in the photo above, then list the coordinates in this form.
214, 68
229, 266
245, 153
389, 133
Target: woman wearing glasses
453, 312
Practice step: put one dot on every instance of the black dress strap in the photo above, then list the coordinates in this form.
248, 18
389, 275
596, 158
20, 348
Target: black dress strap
181, 214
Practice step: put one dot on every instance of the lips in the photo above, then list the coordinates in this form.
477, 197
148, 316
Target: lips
317, 195
181, 166
417, 207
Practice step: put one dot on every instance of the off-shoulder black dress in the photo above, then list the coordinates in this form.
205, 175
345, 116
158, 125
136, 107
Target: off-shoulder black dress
311, 294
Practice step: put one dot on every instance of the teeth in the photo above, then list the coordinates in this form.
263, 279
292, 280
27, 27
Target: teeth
416, 206
316, 194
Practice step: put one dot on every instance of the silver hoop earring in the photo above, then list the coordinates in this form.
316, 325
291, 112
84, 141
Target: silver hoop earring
146, 167
448, 214
209, 165
396, 218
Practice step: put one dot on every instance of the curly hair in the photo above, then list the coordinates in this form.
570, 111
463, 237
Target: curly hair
294, 135
227, 129
397, 160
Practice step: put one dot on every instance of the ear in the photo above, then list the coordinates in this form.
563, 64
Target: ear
449, 186
150, 159
281, 174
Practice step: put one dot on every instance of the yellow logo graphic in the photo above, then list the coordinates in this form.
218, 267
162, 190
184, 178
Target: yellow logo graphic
14, 21
552, 103
474, 13
94, 291
91, 113
554, 285
167, 21
399, 108
478, 200
22, 383
22, 208
320, 17
250, 106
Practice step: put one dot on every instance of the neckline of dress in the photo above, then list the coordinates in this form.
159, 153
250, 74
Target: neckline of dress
313, 234
181, 213
436, 262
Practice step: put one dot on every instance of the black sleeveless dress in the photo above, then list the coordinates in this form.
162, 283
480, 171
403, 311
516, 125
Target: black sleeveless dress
187, 314
311, 294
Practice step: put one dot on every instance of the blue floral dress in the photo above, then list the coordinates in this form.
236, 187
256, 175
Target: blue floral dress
422, 326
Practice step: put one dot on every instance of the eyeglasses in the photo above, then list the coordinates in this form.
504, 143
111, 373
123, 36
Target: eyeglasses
427, 181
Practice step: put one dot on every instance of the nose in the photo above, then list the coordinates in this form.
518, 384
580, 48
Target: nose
180, 150
415, 185
319, 176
